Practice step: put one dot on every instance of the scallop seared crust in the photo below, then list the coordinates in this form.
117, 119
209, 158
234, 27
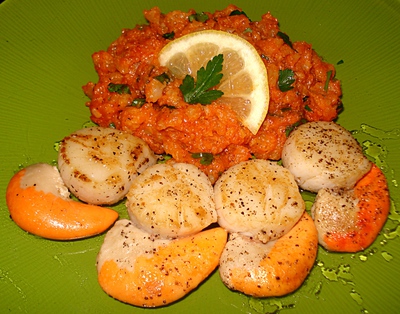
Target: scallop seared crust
98, 164
259, 199
324, 155
172, 200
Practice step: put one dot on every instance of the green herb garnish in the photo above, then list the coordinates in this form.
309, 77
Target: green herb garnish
328, 78
119, 88
199, 91
205, 158
199, 17
285, 80
138, 102
307, 107
286, 39
169, 35
340, 62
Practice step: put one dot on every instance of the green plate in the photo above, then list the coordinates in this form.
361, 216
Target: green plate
45, 58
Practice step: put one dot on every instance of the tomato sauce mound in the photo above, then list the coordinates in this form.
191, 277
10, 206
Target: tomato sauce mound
154, 110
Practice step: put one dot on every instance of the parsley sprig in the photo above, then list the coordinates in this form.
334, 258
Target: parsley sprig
199, 91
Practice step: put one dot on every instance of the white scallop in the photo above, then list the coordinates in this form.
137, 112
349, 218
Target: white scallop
324, 155
259, 199
98, 164
172, 200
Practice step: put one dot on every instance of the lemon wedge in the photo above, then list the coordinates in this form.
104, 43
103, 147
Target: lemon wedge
244, 82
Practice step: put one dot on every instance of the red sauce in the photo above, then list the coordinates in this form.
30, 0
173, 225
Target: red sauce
171, 126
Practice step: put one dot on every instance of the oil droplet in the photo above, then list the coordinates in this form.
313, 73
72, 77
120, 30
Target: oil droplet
342, 273
316, 290
58, 259
394, 213
392, 234
329, 274
363, 257
377, 133
376, 151
356, 297
387, 256
268, 306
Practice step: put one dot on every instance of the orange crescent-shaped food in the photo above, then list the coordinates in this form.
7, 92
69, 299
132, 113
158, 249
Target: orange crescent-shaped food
277, 268
160, 272
51, 216
372, 210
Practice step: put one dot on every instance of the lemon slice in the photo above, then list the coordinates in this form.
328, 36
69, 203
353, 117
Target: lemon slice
244, 81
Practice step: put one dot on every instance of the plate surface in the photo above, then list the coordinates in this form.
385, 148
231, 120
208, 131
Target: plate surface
45, 49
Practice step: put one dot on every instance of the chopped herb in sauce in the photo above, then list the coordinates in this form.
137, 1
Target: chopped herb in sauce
328, 78
238, 12
285, 80
205, 158
199, 91
199, 17
286, 39
169, 35
162, 159
119, 88
290, 128
138, 102
163, 78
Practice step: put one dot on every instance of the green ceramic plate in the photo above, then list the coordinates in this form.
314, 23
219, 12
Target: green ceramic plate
45, 58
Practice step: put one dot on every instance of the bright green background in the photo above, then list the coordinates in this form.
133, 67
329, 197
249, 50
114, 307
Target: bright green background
45, 49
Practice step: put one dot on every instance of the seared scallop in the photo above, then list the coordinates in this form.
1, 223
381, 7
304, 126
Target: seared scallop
259, 199
98, 164
172, 200
324, 155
